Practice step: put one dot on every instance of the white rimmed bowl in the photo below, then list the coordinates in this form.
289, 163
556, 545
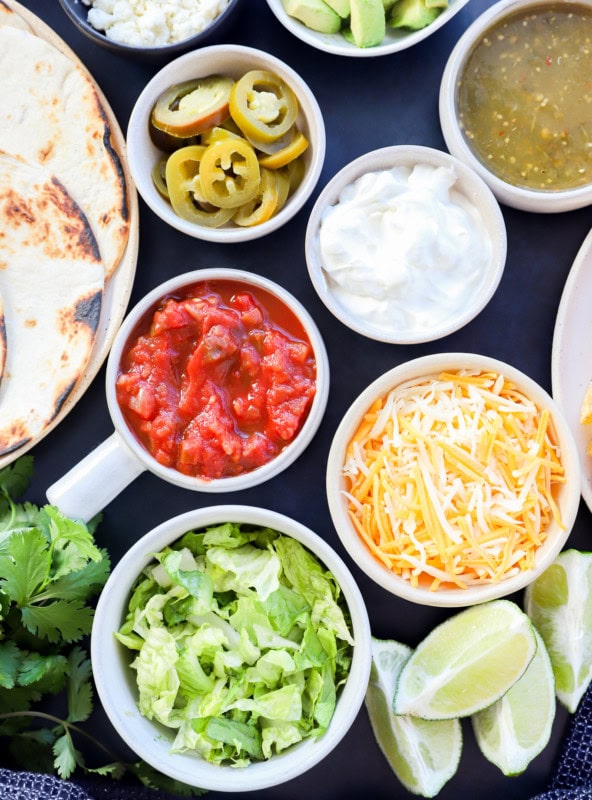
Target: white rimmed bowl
116, 683
472, 189
520, 197
234, 61
92, 483
567, 496
77, 11
335, 43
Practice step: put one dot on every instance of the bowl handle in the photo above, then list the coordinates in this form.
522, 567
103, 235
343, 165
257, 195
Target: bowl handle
96, 480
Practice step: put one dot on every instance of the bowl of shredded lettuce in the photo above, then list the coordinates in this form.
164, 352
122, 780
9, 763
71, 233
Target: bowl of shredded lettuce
231, 648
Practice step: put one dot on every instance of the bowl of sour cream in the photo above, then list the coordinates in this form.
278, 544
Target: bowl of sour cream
406, 244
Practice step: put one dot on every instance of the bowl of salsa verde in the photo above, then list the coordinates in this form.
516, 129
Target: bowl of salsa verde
217, 381
516, 104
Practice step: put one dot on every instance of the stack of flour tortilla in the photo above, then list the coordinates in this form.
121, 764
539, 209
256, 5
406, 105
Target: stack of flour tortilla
64, 226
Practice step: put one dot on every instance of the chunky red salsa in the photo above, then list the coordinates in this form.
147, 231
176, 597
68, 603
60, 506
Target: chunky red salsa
216, 381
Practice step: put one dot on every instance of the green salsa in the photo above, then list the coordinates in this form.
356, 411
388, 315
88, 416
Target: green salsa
525, 97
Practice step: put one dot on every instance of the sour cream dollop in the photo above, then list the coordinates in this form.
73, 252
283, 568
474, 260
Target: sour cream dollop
403, 251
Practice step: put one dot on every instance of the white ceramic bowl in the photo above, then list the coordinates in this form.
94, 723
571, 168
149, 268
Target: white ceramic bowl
234, 61
468, 184
526, 199
93, 482
394, 40
567, 496
115, 680
77, 11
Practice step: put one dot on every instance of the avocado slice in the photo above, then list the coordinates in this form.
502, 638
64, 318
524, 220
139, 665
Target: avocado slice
367, 22
315, 14
342, 7
413, 14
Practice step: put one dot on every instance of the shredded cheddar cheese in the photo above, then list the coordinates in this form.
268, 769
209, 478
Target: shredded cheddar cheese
451, 479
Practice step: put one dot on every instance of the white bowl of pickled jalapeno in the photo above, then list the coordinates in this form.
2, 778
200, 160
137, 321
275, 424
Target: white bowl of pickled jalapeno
226, 143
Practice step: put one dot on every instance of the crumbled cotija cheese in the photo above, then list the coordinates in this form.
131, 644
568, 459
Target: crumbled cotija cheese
152, 23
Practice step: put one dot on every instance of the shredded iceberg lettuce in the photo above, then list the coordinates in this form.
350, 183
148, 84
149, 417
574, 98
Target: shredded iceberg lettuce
241, 640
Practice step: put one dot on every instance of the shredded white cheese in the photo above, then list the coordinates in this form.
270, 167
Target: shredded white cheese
451, 479
152, 23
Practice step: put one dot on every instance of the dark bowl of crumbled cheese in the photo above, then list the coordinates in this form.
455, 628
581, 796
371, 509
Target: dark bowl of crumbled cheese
151, 29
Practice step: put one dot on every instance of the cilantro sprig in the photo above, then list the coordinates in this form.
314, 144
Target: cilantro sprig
51, 570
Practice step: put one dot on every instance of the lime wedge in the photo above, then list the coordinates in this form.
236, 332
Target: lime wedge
559, 602
467, 662
516, 728
423, 754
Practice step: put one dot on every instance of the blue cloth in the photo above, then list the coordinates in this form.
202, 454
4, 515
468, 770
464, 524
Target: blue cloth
571, 780
572, 776
34, 786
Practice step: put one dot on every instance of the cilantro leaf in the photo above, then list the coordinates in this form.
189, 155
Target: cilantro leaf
10, 660
157, 780
13, 482
78, 585
40, 735
23, 517
67, 757
15, 478
46, 672
94, 523
32, 749
116, 770
24, 565
50, 567
71, 534
4, 607
19, 698
79, 686
61, 620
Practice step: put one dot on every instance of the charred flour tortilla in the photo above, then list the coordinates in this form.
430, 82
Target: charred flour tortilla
2, 340
10, 17
51, 283
50, 114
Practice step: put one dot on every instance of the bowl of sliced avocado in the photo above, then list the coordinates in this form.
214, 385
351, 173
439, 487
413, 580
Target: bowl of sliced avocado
363, 28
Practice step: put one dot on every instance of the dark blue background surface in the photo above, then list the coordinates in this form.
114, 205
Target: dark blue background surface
367, 103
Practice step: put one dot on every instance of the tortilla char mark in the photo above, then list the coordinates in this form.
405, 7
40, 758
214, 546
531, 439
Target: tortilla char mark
73, 324
76, 325
5, 7
114, 157
78, 234
72, 236
16, 210
85, 312
3, 344
88, 310
15, 436
61, 399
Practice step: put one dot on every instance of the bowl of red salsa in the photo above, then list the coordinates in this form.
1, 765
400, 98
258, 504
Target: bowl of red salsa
218, 378
217, 381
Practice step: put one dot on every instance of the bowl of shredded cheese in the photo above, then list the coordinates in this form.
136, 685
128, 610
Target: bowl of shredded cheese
453, 479
151, 29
